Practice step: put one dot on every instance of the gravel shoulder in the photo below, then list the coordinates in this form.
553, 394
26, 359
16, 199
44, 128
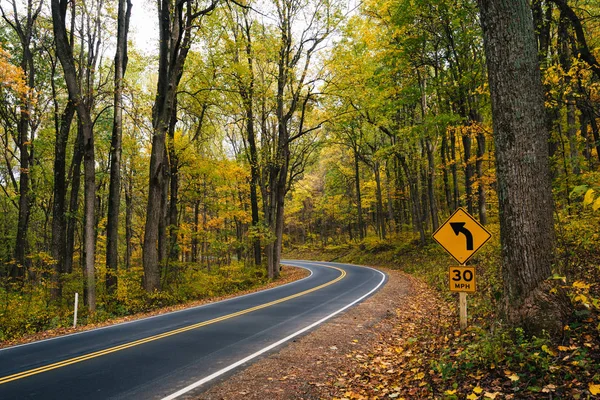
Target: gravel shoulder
314, 365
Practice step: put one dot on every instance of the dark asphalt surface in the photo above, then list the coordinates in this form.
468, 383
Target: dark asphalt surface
159, 368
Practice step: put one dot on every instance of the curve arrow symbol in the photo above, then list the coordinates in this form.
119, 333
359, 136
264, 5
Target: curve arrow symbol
458, 228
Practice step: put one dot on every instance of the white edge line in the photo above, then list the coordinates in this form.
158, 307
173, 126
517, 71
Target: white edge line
160, 315
272, 346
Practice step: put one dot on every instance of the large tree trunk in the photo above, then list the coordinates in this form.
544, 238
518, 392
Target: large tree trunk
524, 186
65, 55
114, 191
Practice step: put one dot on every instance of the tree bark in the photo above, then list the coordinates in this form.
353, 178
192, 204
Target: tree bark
524, 186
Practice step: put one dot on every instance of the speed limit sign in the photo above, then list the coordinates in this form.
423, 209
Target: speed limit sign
462, 279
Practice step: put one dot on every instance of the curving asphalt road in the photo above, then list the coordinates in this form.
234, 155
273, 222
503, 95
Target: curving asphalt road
183, 352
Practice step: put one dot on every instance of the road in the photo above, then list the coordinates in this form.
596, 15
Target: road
181, 353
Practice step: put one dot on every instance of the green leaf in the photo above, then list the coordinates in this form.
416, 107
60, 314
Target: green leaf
578, 191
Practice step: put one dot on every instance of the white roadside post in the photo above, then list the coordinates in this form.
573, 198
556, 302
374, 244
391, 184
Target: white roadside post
75, 310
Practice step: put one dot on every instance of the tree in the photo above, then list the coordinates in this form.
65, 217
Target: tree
524, 186
114, 196
176, 25
26, 124
64, 53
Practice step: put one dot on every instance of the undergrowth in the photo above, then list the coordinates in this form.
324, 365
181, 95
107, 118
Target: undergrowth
26, 306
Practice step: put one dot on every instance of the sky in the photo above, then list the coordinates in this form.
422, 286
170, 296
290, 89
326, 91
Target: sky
143, 25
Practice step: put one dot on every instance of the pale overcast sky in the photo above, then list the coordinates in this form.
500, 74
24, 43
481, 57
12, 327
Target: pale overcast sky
144, 21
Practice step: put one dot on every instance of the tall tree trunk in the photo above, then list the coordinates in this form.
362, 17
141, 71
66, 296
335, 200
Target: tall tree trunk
433, 209
379, 216
447, 190
467, 141
595, 132
247, 93
128, 219
74, 199
173, 220
524, 186
564, 50
481, 203
454, 169
361, 224
414, 195
176, 23
114, 191
59, 218
65, 55
24, 28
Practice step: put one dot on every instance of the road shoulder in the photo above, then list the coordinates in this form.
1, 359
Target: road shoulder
319, 365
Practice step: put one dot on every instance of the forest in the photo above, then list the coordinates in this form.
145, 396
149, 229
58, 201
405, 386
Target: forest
250, 130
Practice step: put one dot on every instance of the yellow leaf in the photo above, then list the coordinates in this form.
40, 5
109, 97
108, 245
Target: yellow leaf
477, 390
492, 396
581, 284
594, 389
589, 197
420, 375
450, 392
563, 348
472, 396
514, 377
596, 204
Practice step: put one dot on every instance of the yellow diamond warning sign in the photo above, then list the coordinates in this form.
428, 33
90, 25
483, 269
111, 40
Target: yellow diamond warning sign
461, 235
462, 279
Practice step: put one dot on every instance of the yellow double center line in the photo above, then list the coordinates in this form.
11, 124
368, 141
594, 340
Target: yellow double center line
99, 353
